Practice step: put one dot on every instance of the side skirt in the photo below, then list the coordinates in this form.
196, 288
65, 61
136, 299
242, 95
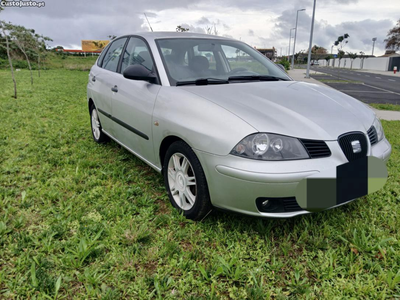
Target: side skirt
134, 153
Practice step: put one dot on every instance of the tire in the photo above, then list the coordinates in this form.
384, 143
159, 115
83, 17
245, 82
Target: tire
185, 182
98, 135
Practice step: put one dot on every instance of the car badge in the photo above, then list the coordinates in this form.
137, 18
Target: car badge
356, 146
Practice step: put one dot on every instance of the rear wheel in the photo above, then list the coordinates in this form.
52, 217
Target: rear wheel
185, 181
98, 135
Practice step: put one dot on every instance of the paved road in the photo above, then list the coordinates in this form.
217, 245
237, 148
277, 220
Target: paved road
374, 88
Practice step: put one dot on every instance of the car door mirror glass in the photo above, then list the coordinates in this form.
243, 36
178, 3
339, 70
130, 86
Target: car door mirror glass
281, 66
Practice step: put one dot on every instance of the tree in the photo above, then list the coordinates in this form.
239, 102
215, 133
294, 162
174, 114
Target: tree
4, 29
179, 28
340, 43
318, 50
21, 42
393, 37
296, 56
24, 40
211, 30
352, 56
40, 48
328, 58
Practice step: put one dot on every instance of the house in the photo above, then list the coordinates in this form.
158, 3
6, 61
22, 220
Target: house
268, 52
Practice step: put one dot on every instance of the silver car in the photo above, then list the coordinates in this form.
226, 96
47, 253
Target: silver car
229, 129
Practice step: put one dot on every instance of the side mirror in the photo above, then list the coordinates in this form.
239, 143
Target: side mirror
282, 67
138, 72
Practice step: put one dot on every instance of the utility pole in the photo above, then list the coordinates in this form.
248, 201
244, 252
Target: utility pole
373, 45
311, 38
290, 40
295, 35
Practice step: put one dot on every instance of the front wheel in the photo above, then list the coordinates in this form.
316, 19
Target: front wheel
185, 182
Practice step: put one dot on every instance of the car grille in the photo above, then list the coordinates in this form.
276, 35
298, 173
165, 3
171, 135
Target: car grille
373, 136
291, 205
345, 143
277, 205
316, 149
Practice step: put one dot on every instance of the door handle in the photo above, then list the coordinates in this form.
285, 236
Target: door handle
94, 78
115, 89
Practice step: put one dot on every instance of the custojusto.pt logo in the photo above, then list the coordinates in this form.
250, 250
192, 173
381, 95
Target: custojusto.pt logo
21, 4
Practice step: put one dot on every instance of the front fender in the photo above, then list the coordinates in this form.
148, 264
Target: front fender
202, 124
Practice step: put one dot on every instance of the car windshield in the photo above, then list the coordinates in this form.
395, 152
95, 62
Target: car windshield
215, 61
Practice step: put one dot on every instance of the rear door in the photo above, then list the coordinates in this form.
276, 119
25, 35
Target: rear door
105, 80
133, 104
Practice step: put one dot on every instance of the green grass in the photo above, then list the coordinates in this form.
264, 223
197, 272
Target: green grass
385, 106
54, 61
85, 221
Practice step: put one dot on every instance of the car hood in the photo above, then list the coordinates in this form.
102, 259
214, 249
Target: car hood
290, 108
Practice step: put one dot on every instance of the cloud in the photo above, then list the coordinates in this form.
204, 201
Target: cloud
258, 22
226, 27
68, 22
203, 21
325, 34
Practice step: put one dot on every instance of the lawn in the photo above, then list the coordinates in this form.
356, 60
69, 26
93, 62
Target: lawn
395, 107
85, 221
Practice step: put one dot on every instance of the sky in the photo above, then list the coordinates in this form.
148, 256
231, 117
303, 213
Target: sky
260, 23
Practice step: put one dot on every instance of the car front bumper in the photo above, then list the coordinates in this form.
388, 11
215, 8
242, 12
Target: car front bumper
235, 183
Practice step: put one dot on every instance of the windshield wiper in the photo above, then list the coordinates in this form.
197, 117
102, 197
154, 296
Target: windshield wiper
257, 78
203, 81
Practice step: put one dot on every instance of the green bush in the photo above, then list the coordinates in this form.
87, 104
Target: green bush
284, 62
17, 64
3, 63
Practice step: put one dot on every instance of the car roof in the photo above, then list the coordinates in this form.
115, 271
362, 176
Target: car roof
172, 34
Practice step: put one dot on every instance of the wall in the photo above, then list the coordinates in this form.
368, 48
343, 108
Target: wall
377, 64
371, 63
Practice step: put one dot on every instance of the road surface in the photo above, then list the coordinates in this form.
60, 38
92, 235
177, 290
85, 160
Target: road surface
371, 87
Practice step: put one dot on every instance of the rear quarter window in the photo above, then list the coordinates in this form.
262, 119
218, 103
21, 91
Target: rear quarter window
102, 54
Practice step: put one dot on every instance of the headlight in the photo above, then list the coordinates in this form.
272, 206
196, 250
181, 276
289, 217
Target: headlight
379, 129
268, 146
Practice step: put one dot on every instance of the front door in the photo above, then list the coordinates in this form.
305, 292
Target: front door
133, 104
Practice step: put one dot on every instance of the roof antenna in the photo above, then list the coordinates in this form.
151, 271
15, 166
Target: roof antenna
148, 22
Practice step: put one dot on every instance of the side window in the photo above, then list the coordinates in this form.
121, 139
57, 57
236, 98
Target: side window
239, 59
101, 57
137, 52
111, 58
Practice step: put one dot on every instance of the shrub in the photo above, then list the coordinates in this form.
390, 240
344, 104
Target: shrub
284, 62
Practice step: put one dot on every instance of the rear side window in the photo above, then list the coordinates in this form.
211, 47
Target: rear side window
101, 57
111, 58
